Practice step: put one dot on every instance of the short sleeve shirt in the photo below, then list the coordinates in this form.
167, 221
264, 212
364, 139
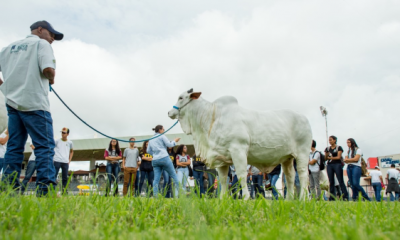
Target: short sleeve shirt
393, 173
32, 157
358, 152
131, 157
181, 158
334, 153
62, 150
22, 63
315, 167
375, 176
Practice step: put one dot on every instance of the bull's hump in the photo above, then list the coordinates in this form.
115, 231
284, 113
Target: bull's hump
226, 100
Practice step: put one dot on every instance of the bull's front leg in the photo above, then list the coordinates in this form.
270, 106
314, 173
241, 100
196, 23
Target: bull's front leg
223, 178
240, 162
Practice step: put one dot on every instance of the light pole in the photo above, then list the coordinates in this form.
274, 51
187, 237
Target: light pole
324, 112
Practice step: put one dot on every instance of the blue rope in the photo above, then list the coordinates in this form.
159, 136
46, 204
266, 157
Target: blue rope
121, 140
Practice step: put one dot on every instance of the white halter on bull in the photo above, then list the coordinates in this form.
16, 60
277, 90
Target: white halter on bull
225, 133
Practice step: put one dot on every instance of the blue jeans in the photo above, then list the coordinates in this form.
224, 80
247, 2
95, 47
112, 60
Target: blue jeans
274, 179
250, 186
39, 126
164, 164
199, 177
64, 173
258, 185
137, 183
377, 189
30, 169
1, 163
149, 175
235, 187
332, 170
354, 174
112, 170
394, 197
183, 174
167, 188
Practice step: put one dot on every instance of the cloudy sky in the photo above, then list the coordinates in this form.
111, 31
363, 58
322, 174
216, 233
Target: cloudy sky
122, 64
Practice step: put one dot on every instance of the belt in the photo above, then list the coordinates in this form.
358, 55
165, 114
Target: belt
182, 167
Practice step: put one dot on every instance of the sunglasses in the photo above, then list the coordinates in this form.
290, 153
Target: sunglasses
63, 132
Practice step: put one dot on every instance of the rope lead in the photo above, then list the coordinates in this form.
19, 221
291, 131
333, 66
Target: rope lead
121, 140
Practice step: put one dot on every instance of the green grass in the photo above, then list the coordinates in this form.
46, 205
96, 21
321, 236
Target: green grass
98, 217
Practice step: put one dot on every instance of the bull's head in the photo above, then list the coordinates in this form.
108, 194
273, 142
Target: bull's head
184, 99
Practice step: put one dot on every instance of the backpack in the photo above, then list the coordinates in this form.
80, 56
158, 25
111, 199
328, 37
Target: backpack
321, 159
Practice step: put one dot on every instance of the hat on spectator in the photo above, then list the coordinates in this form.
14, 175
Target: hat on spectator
47, 25
65, 130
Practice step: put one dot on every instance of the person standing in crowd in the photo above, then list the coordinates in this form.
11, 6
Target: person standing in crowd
250, 184
353, 159
161, 160
30, 169
3, 147
146, 169
257, 177
337, 188
273, 177
236, 187
333, 156
393, 184
313, 167
113, 154
28, 66
182, 162
130, 163
137, 180
64, 151
198, 173
213, 184
376, 182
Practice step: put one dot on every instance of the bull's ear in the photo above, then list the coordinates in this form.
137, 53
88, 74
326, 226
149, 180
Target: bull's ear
195, 95
190, 90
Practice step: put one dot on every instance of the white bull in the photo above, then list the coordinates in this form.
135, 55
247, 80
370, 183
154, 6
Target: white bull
3, 113
225, 133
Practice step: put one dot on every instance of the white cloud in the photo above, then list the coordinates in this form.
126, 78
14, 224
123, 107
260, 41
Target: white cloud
122, 67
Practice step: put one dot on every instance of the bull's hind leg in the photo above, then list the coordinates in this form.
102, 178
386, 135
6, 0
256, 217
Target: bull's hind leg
302, 170
223, 178
290, 174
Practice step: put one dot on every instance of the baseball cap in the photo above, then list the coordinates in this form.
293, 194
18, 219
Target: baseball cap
65, 130
377, 167
47, 25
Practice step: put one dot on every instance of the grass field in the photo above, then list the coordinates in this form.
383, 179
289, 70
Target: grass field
97, 217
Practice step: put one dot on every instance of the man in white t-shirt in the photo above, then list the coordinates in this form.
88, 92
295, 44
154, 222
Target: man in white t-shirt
3, 147
63, 153
376, 182
313, 167
28, 67
393, 184
30, 169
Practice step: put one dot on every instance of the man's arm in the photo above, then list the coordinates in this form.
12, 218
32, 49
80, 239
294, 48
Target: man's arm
50, 74
123, 162
4, 140
71, 154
